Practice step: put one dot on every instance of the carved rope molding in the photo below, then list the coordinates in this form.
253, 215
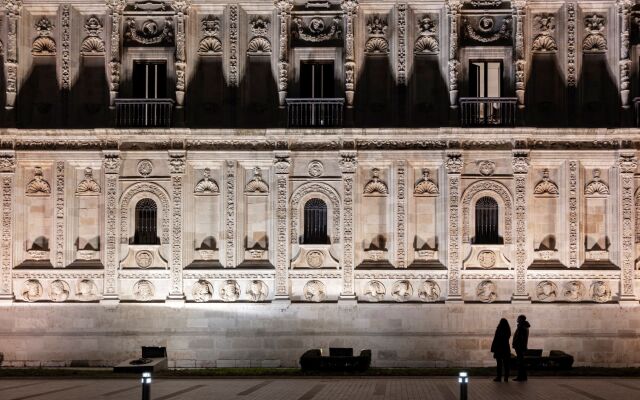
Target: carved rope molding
111, 167
282, 166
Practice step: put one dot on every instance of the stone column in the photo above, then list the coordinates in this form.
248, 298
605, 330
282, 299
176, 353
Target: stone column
59, 216
182, 8
230, 215
282, 164
111, 166
350, 8
453, 10
454, 165
520, 164
627, 166
12, 8
519, 11
348, 165
401, 215
624, 12
284, 15
7, 174
176, 168
116, 8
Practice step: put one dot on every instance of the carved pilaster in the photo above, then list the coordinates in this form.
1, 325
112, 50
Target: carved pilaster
571, 45
284, 15
60, 208
7, 173
111, 166
230, 215
401, 215
282, 165
65, 33
182, 8
453, 10
520, 164
573, 214
116, 8
176, 168
350, 8
348, 164
232, 70
401, 66
454, 165
624, 12
12, 9
519, 11
627, 166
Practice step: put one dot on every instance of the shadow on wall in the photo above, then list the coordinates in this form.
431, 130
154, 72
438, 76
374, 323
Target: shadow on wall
89, 98
597, 93
375, 99
259, 95
208, 101
39, 99
428, 96
546, 94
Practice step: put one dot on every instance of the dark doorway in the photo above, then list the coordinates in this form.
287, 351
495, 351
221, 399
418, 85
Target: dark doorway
316, 79
486, 221
149, 79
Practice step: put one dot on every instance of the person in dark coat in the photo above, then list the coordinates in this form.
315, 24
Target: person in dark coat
500, 349
520, 342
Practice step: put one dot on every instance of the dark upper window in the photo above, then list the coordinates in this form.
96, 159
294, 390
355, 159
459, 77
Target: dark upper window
487, 221
316, 79
315, 222
149, 79
485, 79
146, 222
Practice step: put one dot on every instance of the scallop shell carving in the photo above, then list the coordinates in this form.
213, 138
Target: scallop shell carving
43, 46
426, 45
544, 43
210, 45
594, 44
92, 45
259, 45
376, 45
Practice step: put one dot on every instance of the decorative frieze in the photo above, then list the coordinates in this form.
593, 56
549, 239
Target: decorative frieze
7, 170
348, 164
627, 164
59, 215
401, 215
149, 32
65, 35
401, 32
573, 214
487, 29
453, 164
230, 214
233, 71
520, 164
111, 166
176, 168
571, 45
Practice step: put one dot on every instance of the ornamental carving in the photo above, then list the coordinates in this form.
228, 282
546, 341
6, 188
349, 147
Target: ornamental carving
143, 290
401, 32
376, 186
315, 169
149, 33
574, 291
487, 291
595, 41
544, 25
233, 45
44, 45
600, 292
145, 168
376, 31
487, 29
402, 291
425, 185
427, 41
491, 186
144, 258
546, 188
58, 291
87, 290
164, 209
571, 45
93, 45
230, 291
596, 187
210, 45
429, 291
487, 259
256, 184
32, 290
7, 162
259, 43
486, 167
202, 291
573, 214
258, 291
315, 291
207, 185
375, 291
88, 185
454, 163
546, 291
316, 29
38, 185
328, 192
315, 259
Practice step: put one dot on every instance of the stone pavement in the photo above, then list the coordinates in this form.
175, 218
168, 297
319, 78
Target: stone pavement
481, 388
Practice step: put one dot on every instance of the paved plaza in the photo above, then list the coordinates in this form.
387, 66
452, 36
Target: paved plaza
318, 389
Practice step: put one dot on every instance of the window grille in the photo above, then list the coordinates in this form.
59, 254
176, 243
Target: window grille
146, 222
315, 222
487, 221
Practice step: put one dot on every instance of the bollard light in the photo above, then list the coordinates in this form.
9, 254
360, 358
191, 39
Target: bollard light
146, 385
463, 380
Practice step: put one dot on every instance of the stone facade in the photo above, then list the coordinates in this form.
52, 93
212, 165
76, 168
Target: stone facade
229, 264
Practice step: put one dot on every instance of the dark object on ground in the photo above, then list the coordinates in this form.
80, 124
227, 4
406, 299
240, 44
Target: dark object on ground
153, 359
338, 360
556, 360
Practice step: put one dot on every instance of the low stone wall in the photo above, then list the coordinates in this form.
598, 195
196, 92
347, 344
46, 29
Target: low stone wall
243, 335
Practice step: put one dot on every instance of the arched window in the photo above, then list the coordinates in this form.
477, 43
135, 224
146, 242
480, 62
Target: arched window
487, 221
315, 222
146, 222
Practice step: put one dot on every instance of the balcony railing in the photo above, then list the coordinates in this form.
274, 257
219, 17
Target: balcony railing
138, 113
488, 111
321, 113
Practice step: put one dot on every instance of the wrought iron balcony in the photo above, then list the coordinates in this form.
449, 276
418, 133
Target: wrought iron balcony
139, 113
318, 112
488, 111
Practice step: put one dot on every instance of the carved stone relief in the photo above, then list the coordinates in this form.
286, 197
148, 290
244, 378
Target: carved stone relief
257, 184
65, 36
487, 291
429, 291
163, 208
402, 291
546, 187
202, 291
234, 10
144, 258
486, 167
87, 290
143, 290
38, 186
32, 290
44, 45
401, 34
315, 169
499, 189
210, 45
230, 215
145, 168
59, 291
546, 291
60, 211
595, 40
207, 185
316, 29
93, 45
425, 185
596, 187
427, 41
571, 45
259, 43
487, 29
375, 291
315, 291
229, 291
88, 186
544, 26
375, 186
258, 291
315, 187
376, 33
574, 291
573, 214
600, 292
149, 33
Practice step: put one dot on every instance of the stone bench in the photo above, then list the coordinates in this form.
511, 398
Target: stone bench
339, 359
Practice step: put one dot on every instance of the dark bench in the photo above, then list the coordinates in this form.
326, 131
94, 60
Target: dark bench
555, 360
339, 359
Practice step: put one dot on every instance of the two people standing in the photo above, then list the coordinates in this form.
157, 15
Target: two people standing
502, 351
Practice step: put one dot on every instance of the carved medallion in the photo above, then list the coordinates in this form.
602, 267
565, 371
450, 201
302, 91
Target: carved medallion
143, 290
487, 291
375, 291
546, 291
87, 290
145, 167
230, 291
315, 29
202, 291
58, 291
402, 291
600, 292
149, 33
315, 168
315, 291
487, 259
144, 258
32, 290
486, 167
574, 291
258, 291
315, 259
429, 291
